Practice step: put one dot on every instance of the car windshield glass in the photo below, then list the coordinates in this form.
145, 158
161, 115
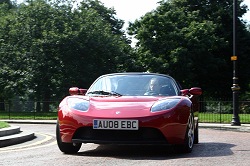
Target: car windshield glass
105, 93
133, 85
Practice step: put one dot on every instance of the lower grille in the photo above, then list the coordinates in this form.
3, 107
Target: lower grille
141, 136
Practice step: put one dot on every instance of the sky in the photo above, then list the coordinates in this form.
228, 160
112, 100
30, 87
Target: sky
247, 15
129, 10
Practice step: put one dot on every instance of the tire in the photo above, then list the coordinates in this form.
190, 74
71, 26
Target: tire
68, 148
187, 147
196, 133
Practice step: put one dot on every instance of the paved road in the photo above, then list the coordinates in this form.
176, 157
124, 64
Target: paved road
216, 147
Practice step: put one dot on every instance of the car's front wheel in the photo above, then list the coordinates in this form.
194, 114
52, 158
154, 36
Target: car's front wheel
187, 147
68, 148
196, 133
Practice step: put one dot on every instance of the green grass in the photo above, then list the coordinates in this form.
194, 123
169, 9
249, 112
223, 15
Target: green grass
4, 124
29, 115
222, 118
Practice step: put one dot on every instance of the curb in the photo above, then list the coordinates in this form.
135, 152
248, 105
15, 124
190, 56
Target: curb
16, 138
13, 135
31, 121
229, 127
9, 131
221, 126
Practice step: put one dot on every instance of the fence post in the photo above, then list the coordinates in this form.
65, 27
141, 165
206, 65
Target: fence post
220, 110
9, 108
35, 103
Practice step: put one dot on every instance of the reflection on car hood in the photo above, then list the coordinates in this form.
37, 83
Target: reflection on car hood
122, 107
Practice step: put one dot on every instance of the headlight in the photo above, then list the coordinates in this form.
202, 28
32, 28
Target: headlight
78, 104
164, 105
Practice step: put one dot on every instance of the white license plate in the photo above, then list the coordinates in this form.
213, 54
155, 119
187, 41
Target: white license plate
115, 124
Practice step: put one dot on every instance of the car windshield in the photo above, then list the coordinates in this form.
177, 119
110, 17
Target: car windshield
133, 85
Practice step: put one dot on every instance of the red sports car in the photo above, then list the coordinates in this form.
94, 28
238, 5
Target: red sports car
129, 108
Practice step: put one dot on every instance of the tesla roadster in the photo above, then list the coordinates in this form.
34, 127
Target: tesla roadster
129, 108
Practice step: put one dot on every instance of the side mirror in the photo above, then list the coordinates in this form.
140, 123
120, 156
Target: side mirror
193, 91
184, 92
77, 91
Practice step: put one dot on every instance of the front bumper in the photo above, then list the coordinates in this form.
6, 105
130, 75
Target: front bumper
144, 135
165, 128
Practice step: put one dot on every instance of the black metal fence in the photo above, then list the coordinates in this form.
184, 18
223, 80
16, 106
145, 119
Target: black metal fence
210, 111
222, 111
16, 109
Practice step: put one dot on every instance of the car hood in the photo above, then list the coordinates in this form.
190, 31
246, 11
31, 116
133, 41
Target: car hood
121, 107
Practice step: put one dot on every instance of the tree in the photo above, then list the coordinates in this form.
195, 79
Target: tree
190, 40
125, 57
50, 47
107, 14
9, 4
29, 62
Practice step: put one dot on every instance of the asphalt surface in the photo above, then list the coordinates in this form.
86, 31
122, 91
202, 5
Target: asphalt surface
220, 126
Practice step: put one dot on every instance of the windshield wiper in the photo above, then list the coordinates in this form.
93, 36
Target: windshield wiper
112, 93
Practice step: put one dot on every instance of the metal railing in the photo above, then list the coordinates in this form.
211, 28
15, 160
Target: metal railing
16, 109
222, 111
210, 111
